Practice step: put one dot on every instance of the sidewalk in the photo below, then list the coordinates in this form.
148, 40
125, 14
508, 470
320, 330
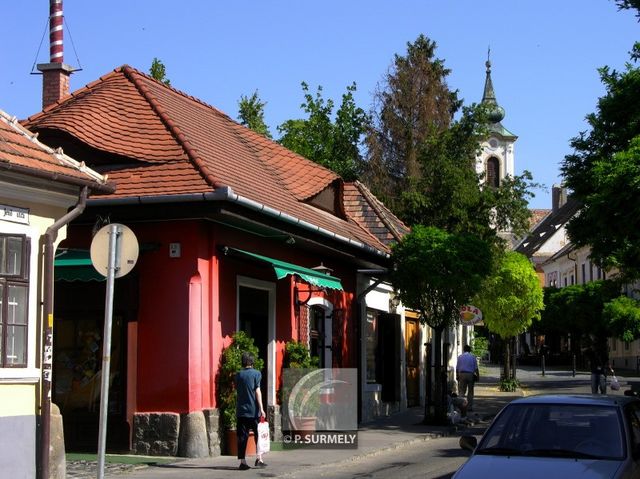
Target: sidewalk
382, 434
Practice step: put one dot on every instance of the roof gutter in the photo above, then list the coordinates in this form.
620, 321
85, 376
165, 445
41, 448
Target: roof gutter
225, 193
49, 238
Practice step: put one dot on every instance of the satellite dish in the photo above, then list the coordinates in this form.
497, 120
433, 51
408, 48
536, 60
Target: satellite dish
126, 250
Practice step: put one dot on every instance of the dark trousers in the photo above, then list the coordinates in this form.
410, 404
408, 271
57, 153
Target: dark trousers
245, 425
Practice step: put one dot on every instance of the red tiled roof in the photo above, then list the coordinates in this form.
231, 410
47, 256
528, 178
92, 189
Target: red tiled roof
20, 149
361, 205
537, 215
180, 145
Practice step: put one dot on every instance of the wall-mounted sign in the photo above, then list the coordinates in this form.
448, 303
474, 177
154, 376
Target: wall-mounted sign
15, 214
470, 315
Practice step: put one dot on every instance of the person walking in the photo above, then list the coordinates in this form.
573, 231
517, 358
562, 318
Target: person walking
248, 408
466, 369
600, 369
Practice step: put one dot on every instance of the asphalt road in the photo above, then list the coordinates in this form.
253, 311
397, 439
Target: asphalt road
434, 459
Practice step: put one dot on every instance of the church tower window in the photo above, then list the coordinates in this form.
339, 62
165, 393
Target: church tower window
493, 172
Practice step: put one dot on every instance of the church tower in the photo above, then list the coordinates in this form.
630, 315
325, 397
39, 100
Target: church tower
496, 159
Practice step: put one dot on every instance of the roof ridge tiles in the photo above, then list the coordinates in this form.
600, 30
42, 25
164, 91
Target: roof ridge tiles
135, 71
170, 124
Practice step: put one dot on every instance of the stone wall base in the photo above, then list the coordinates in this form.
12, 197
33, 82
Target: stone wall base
193, 434
196, 434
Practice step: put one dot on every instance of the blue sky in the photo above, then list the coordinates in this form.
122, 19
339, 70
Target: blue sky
545, 54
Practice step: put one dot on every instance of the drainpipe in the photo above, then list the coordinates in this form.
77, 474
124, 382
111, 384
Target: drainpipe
50, 237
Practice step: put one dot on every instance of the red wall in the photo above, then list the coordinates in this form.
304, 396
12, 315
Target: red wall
187, 308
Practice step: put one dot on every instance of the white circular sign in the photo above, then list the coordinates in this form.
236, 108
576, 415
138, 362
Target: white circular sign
126, 252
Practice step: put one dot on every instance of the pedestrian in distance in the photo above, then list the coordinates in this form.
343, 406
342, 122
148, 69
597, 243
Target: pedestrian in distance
600, 369
466, 374
249, 408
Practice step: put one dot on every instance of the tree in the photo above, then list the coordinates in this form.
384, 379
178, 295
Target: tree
609, 220
449, 193
435, 273
251, 114
510, 299
412, 104
578, 310
604, 174
158, 71
623, 318
334, 144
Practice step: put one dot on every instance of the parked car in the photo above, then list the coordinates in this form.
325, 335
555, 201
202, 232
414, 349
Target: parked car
558, 436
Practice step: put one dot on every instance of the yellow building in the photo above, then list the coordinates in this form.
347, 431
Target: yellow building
41, 190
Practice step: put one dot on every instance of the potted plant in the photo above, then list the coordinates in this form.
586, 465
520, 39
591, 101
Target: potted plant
227, 396
300, 393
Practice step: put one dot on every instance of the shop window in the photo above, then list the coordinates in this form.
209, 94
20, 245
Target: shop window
14, 297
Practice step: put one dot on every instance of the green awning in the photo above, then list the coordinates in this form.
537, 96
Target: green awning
283, 269
75, 265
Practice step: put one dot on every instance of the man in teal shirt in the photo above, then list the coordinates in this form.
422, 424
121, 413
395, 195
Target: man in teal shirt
248, 408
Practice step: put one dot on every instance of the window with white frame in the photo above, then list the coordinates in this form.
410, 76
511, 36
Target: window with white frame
14, 297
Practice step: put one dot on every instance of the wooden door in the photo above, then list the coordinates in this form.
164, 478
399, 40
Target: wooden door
412, 349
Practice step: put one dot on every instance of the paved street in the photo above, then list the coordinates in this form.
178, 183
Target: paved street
398, 446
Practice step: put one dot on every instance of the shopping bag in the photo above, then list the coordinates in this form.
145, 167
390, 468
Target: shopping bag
264, 441
615, 384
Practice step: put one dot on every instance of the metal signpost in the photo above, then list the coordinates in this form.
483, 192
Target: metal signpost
114, 252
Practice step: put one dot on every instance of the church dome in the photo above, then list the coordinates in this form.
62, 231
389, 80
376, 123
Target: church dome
496, 113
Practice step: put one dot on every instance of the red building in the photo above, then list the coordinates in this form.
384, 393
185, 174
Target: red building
230, 225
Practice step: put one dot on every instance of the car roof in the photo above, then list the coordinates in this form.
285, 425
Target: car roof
578, 399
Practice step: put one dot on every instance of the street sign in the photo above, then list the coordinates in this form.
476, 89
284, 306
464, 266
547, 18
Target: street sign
126, 250
114, 252
470, 315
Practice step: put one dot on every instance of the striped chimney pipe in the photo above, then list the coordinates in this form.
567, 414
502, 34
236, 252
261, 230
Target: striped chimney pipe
56, 33
55, 74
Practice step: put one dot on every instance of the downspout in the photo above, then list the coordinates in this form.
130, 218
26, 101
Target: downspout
50, 237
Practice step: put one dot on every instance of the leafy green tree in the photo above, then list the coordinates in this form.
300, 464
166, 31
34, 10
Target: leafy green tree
578, 309
604, 174
251, 114
451, 196
628, 5
609, 220
413, 103
510, 299
622, 315
158, 71
334, 144
435, 273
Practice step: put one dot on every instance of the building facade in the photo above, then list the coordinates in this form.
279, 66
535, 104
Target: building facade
37, 188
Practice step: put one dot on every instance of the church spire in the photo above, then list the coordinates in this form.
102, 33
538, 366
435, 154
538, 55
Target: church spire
496, 112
